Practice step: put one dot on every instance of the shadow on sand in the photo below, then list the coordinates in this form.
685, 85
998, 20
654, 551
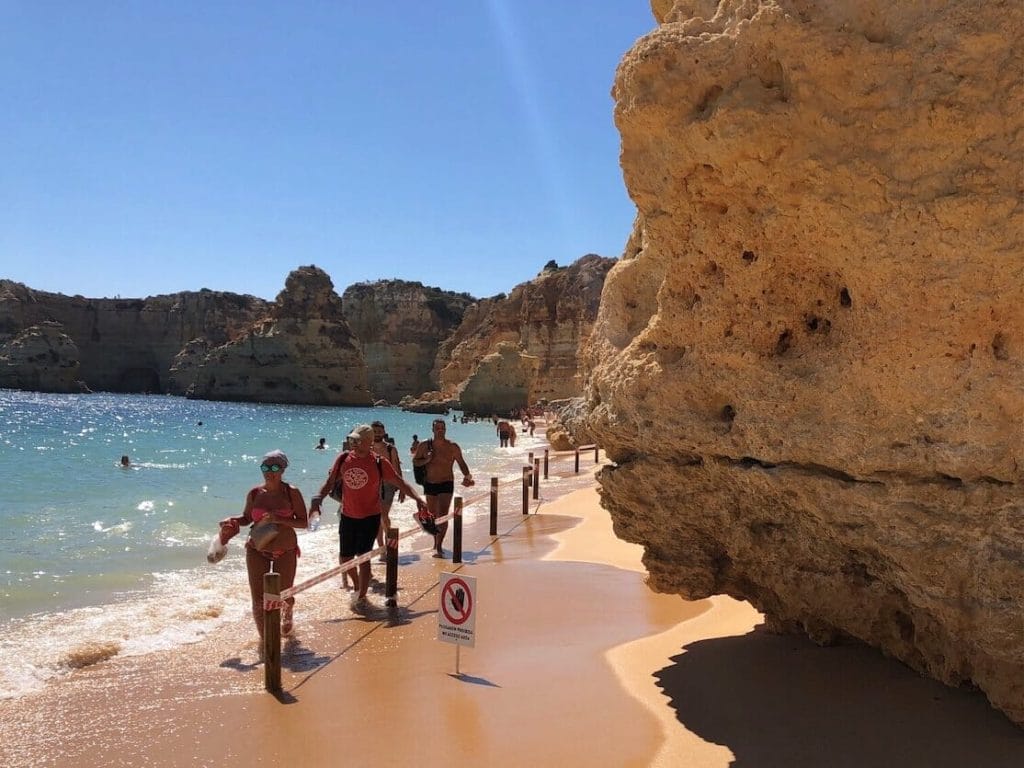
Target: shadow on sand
783, 701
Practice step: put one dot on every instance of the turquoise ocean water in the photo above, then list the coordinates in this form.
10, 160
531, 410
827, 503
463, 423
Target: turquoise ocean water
89, 549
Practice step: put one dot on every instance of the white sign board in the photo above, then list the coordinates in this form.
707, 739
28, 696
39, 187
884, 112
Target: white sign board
456, 616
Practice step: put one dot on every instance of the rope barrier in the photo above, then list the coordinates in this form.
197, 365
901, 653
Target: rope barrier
350, 564
275, 599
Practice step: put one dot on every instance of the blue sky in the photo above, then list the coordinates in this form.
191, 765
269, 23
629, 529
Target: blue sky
149, 147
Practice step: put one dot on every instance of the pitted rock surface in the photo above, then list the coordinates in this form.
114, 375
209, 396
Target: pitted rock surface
808, 367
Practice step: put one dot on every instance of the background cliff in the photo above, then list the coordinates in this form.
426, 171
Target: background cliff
302, 353
547, 318
122, 345
399, 326
808, 367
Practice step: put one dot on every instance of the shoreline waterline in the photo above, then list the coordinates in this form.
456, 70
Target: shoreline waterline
86, 575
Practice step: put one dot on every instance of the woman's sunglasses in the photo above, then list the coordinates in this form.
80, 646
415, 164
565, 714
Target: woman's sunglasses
271, 468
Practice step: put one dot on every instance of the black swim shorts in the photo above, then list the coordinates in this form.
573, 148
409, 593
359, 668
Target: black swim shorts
357, 534
436, 489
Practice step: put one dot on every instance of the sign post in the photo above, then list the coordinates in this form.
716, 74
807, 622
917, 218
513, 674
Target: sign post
456, 616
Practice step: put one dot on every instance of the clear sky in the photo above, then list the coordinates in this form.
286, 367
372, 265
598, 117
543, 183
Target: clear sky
152, 146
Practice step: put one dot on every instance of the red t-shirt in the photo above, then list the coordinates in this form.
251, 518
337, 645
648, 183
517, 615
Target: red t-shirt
362, 484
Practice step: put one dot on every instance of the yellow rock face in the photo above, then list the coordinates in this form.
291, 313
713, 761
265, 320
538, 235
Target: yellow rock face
809, 364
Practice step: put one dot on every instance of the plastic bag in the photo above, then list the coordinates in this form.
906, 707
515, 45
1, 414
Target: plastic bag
217, 549
262, 534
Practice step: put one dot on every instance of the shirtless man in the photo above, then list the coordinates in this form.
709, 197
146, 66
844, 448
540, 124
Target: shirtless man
504, 429
438, 455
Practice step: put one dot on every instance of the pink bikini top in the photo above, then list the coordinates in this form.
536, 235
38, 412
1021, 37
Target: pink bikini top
258, 513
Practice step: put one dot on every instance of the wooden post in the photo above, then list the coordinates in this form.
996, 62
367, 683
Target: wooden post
494, 506
272, 636
526, 490
577, 460
596, 460
536, 478
391, 569
457, 531
545, 463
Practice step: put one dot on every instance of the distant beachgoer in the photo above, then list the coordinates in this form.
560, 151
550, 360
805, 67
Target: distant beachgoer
273, 505
384, 447
530, 423
504, 430
438, 455
362, 515
415, 444
322, 445
125, 462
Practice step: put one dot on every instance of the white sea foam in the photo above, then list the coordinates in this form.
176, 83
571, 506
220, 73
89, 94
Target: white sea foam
121, 570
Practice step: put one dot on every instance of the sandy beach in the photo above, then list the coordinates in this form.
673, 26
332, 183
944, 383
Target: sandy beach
576, 663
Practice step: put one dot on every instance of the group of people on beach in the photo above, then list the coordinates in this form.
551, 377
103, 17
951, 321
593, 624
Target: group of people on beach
364, 478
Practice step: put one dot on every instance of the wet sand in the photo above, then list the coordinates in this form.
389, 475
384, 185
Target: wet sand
576, 663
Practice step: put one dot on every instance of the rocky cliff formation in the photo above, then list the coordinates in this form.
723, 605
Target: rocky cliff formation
302, 353
501, 382
122, 345
808, 367
547, 318
399, 326
41, 358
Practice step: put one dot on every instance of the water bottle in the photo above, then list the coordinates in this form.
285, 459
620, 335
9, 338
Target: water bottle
314, 522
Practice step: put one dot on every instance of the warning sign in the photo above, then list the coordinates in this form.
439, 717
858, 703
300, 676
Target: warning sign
456, 617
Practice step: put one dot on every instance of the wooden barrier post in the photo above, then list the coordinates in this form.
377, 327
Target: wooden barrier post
457, 531
596, 460
391, 569
494, 506
526, 490
545, 463
536, 478
272, 636
577, 461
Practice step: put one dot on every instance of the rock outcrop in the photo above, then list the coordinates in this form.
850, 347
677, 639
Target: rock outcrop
303, 353
548, 318
502, 382
42, 358
399, 326
126, 345
808, 367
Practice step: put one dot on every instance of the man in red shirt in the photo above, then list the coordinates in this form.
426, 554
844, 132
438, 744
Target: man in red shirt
361, 511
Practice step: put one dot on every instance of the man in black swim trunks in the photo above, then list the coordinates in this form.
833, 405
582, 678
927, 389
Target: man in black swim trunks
438, 455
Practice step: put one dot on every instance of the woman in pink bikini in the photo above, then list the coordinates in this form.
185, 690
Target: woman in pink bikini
273, 505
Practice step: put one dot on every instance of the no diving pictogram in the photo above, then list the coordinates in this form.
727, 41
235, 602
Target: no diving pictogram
457, 601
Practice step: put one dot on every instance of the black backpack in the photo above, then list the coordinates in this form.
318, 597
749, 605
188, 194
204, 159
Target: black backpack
419, 473
338, 488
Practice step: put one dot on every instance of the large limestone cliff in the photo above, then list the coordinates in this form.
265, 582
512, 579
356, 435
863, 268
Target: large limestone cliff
303, 353
399, 325
547, 318
808, 367
123, 345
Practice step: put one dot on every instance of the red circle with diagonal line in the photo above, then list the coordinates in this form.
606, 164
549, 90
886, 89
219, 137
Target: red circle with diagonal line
449, 596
